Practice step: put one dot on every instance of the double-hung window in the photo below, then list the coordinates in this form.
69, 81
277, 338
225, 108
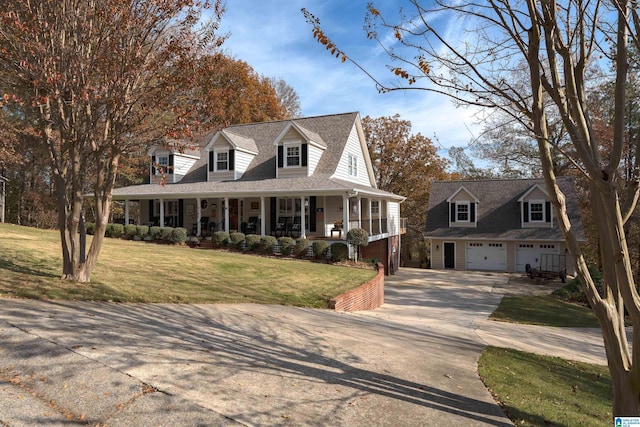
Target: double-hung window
462, 212
163, 164
353, 165
375, 207
292, 156
222, 160
536, 211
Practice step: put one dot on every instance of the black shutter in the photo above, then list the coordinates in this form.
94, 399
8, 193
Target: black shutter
453, 212
232, 159
153, 165
180, 213
150, 210
170, 160
547, 208
472, 212
312, 213
525, 212
273, 212
211, 159
305, 154
280, 156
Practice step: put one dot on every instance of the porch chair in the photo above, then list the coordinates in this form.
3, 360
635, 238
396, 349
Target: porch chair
295, 227
281, 226
251, 225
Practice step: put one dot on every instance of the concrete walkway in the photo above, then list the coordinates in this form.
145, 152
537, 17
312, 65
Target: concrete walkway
411, 362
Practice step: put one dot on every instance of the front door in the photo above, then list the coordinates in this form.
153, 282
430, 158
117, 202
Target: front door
233, 215
449, 255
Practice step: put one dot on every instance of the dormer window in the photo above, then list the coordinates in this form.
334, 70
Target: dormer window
163, 165
293, 156
536, 211
462, 212
222, 160
353, 165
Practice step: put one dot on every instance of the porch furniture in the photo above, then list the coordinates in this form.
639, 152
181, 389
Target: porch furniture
337, 227
281, 226
251, 226
295, 227
204, 221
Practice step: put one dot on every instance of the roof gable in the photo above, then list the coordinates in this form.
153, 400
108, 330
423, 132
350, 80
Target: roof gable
460, 190
532, 189
238, 142
307, 135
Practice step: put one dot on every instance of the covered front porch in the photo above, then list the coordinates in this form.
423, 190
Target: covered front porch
304, 216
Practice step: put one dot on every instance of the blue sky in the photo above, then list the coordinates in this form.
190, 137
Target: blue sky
274, 38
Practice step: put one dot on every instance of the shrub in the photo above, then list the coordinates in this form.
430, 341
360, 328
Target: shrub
114, 230
220, 238
320, 249
155, 233
358, 237
178, 235
286, 245
142, 231
266, 244
572, 291
165, 233
129, 231
237, 240
339, 252
302, 248
252, 241
91, 227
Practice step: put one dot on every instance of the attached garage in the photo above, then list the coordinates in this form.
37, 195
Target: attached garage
531, 253
489, 256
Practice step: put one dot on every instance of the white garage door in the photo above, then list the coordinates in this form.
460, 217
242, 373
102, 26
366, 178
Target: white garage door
529, 253
486, 256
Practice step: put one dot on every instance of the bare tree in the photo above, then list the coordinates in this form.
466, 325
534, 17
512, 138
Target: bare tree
287, 96
554, 41
96, 79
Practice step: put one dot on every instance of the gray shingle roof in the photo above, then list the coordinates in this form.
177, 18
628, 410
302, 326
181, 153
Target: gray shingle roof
498, 211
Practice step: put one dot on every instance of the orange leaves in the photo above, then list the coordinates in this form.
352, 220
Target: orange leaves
403, 74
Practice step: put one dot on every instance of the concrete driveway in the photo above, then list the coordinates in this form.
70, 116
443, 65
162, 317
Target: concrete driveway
411, 362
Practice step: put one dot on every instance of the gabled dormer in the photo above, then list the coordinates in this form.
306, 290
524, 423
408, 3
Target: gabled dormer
174, 165
463, 209
535, 208
229, 156
298, 151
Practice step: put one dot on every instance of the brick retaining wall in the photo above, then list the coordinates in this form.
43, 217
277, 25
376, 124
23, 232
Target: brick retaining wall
367, 296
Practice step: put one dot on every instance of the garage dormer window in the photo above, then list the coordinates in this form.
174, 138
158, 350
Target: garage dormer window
536, 211
462, 212
293, 156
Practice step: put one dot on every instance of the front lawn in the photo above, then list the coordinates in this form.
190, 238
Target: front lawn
538, 390
128, 271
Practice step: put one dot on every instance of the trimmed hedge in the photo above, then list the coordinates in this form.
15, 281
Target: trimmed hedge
339, 252
130, 231
266, 244
142, 231
237, 240
286, 245
220, 238
155, 233
320, 249
178, 235
91, 227
252, 242
302, 248
114, 230
165, 233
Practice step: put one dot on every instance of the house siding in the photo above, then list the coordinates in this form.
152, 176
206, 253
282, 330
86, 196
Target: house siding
181, 165
511, 256
393, 212
461, 255
314, 158
242, 161
353, 147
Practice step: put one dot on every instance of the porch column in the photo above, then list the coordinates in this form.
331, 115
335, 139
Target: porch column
240, 214
370, 220
386, 212
126, 212
303, 221
379, 216
263, 223
198, 217
345, 216
359, 212
226, 214
161, 213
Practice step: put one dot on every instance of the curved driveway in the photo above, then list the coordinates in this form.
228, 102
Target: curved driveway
411, 362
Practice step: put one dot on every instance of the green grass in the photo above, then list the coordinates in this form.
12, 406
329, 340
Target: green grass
538, 390
544, 310
127, 271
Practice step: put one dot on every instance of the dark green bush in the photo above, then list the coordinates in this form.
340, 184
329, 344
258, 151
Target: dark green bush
286, 245
220, 239
155, 233
252, 242
165, 233
339, 252
129, 231
114, 230
266, 244
142, 231
302, 248
572, 291
358, 237
178, 235
237, 240
320, 249
91, 227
